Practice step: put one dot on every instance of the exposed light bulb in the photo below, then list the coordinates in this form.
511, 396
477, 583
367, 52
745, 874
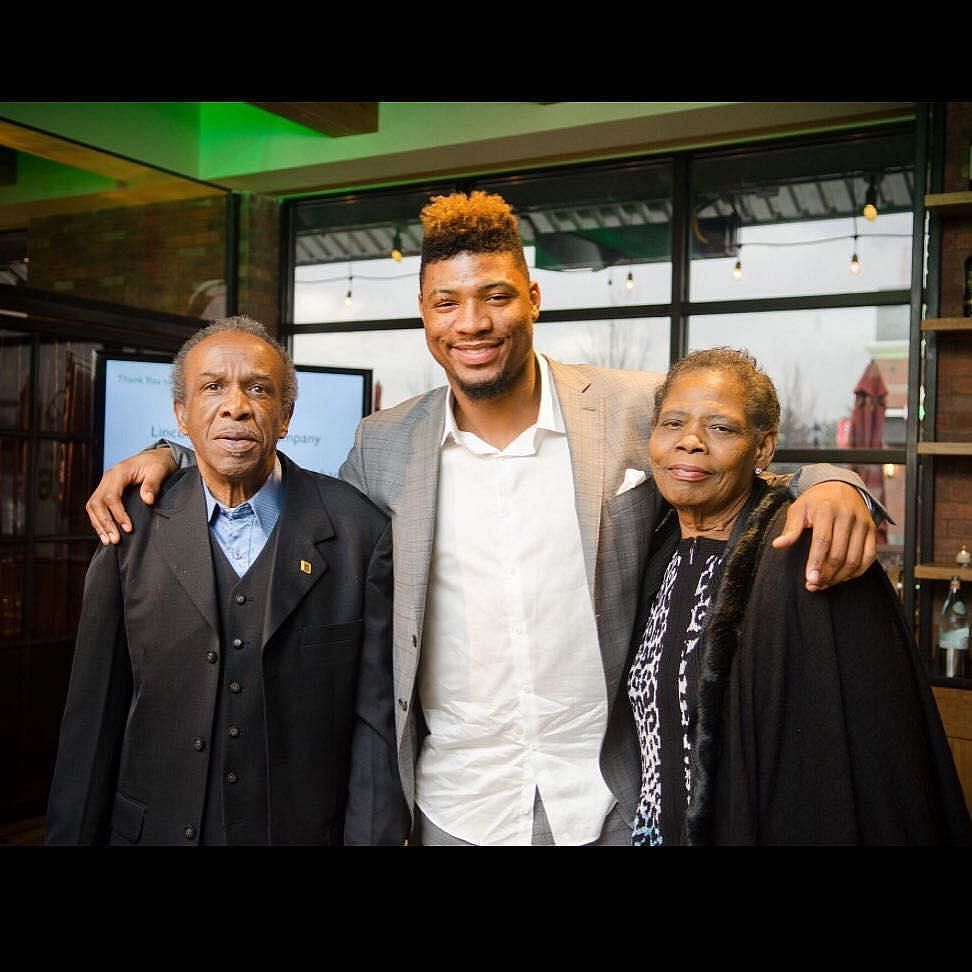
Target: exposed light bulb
396, 255
396, 251
855, 265
347, 298
629, 282
737, 270
870, 211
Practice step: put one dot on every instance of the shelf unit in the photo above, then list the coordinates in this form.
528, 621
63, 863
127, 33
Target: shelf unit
936, 464
946, 207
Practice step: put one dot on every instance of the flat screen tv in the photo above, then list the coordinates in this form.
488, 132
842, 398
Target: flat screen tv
134, 408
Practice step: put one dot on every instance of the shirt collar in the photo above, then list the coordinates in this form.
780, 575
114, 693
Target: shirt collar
266, 502
550, 417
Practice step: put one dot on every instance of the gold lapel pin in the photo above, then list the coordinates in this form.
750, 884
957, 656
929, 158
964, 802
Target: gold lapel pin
305, 567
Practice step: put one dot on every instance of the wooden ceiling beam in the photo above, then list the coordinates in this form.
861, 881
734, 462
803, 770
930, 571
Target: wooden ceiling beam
70, 153
333, 118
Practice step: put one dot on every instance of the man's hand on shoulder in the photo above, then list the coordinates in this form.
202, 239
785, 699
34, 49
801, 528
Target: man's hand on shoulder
105, 508
844, 541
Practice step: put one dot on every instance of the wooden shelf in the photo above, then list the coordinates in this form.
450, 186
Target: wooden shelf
942, 572
947, 324
945, 448
956, 202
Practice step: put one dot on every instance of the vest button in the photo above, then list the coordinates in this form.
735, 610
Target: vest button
237, 642
234, 731
231, 777
211, 657
189, 832
198, 744
240, 598
236, 688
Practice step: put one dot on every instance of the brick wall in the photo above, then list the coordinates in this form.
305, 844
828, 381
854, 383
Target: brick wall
260, 260
165, 257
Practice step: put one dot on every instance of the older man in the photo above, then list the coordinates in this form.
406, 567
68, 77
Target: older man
232, 680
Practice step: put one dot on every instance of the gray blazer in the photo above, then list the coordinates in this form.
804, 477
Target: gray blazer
607, 413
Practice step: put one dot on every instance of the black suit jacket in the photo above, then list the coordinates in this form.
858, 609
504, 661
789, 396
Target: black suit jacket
142, 688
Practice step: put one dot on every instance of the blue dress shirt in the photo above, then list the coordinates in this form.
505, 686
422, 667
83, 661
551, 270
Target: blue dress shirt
242, 531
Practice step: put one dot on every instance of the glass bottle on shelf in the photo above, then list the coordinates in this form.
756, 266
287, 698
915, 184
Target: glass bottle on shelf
953, 633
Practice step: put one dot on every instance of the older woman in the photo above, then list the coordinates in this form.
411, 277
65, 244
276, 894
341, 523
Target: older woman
768, 714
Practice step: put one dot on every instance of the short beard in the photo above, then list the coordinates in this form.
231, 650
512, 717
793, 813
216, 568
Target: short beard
488, 389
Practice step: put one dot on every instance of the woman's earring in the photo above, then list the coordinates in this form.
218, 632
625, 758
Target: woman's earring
758, 470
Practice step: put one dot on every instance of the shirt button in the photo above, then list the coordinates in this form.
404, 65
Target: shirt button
240, 598
236, 688
231, 777
211, 657
234, 731
189, 832
198, 744
237, 642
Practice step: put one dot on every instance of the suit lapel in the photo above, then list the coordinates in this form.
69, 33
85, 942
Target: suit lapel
182, 537
298, 563
583, 414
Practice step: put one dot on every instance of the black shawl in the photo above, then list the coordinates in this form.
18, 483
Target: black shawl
815, 722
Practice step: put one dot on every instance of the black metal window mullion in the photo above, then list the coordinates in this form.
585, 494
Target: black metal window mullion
681, 261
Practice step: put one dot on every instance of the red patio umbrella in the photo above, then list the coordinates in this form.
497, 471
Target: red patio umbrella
867, 429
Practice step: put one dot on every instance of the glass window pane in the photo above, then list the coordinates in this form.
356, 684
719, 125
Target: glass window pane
65, 383
639, 344
11, 591
793, 216
62, 487
13, 486
379, 290
579, 223
59, 570
623, 286
400, 360
829, 367
809, 258
14, 380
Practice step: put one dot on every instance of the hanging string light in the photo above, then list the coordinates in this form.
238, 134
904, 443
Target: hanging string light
396, 250
737, 269
855, 264
629, 282
870, 211
347, 296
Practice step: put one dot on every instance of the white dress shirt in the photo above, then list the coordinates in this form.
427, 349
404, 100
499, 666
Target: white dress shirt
511, 681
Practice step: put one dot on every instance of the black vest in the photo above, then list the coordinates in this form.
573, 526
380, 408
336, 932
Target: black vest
237, 791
